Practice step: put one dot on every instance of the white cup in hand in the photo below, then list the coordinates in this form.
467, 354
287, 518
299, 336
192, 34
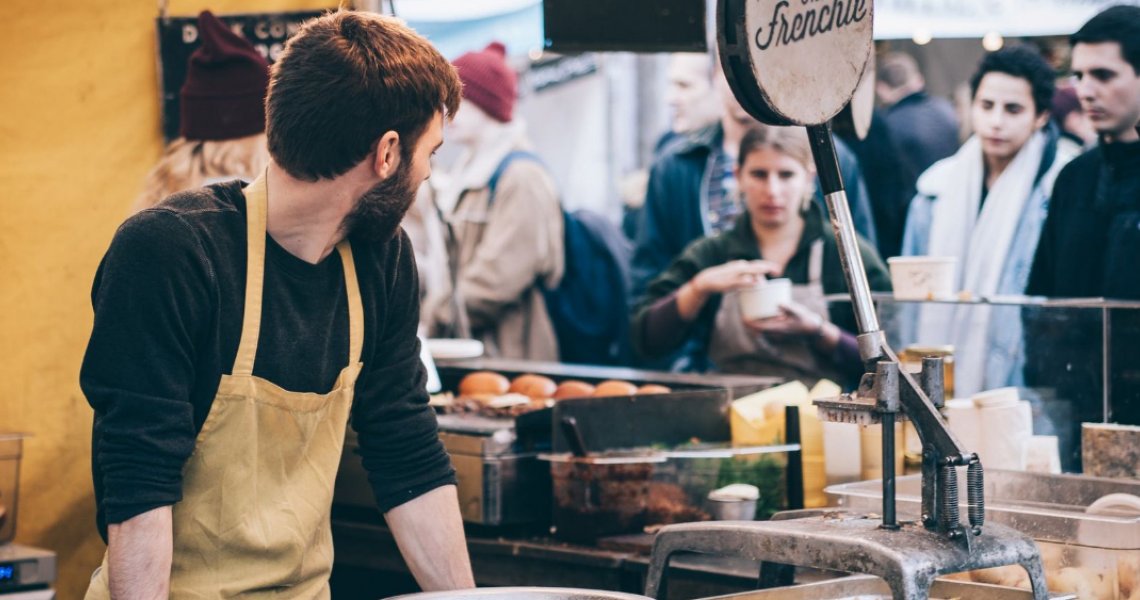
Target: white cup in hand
763, 300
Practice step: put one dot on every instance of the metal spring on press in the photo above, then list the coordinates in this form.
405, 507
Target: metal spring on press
950, 514
975, 495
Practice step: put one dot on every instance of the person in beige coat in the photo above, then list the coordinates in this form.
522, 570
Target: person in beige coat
507, 242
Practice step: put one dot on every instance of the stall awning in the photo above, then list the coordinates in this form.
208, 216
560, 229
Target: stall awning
457, 26
906, 19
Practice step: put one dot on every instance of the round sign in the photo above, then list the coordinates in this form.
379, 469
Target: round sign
856, 116
794, 62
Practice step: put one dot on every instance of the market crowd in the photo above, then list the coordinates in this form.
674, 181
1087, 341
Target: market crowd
1037, 194
1041, 198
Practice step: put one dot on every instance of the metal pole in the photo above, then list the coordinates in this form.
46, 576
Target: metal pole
831, 182
889, 520
889, 403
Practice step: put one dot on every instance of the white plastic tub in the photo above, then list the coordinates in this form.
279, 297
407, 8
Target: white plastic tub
923, 277
764, 300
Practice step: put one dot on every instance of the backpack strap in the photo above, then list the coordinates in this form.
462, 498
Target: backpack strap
506, 162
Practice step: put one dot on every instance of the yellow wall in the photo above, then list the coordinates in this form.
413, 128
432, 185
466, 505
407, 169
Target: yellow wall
79, 127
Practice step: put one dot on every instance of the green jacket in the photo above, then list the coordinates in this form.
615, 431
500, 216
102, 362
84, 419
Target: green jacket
739, 243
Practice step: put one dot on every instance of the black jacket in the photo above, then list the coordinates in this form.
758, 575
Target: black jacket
1090, 247
1090, 243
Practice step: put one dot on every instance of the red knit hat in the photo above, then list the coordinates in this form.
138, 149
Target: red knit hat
488, 81
224, 94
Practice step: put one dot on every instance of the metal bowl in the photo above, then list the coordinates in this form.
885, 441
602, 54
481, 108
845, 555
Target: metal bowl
524, 593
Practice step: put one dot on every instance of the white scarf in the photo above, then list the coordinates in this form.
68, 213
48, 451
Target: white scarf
981, 242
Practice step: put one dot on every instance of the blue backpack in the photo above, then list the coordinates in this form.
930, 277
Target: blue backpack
590, 307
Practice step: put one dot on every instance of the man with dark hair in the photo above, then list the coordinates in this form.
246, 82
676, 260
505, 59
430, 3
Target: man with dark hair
1091, 240
985, 206
238, 328
1099, 192
924, 126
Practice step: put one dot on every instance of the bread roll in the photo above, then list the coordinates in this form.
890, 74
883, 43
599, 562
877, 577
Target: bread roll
533, 386
573, 388
653, 388
483, 383
614, 388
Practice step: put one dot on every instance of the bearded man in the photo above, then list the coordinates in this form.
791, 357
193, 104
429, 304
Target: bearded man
238, 328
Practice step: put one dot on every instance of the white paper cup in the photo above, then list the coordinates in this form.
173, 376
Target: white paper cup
996, 398
763, 300
923, 277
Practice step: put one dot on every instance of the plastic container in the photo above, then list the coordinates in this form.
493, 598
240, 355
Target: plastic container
923, 277
600, 495
763, 300
622, 492
762, 466
1092, 554
11, 449
732, 510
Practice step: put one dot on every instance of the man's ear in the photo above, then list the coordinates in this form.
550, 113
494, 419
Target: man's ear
387, 155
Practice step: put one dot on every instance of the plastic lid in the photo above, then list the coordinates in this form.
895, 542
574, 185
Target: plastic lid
734, 492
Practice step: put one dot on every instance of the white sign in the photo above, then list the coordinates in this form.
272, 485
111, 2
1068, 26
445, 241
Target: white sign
808, 55
905, 19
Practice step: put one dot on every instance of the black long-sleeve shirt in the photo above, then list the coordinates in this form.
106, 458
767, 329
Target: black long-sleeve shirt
168, 300
1089, 247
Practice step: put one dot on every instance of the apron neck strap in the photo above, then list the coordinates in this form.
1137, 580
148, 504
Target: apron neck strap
355, 306
256, 207
815, 262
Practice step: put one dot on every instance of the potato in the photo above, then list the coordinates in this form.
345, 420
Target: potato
653, 388
1083, 582
483, 382
1052, 556
1009, 576
533, 386
1128, 575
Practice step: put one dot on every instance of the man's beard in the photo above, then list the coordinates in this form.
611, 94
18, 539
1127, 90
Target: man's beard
378, 212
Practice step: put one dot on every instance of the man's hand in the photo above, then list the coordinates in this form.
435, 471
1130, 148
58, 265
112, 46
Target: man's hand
429, 532
139, 552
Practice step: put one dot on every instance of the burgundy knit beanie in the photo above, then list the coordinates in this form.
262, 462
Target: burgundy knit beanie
488, 81
224, 94
1064, 102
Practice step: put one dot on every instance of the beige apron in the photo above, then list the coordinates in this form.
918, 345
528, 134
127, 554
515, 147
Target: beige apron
257, 491
735, 349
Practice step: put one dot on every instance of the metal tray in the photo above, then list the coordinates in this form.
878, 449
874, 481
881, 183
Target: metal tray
523, 593
865, 587
1045, 507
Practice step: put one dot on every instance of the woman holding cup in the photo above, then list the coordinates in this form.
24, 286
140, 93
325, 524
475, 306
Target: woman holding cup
751, 300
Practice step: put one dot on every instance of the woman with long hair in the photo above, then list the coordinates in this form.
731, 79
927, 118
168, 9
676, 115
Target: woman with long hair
782, 233
221, 120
